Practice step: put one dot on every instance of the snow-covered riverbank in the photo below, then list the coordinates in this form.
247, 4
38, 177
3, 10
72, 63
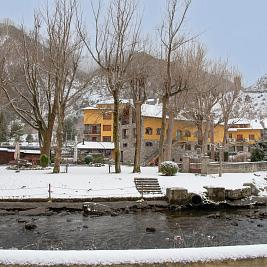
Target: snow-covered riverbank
91, 182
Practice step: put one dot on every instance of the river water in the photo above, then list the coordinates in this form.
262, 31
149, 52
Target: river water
128, 231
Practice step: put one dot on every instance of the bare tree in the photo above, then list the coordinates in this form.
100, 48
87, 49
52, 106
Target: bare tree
171, 40
65, 48
229, 102
26, 80
115, 41
203, 99
139, 77
182, 73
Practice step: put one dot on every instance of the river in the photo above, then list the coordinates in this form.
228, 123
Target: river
129, 231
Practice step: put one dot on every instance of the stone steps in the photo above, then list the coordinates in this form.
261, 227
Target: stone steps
147, 185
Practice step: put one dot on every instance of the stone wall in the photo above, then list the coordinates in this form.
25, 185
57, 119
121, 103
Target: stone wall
238, 167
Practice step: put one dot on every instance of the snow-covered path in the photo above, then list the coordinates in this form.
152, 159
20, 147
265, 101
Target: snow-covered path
87, 182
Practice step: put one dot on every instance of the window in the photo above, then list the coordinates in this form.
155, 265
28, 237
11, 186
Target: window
107, 116
106, 138
92, 129
187, 133
94, 139
187, 146
124, 145
239, 148
124, 133
239, 137
178, 134
251, 137
149, 144
230, 135
149, 131
158, 131
106, 128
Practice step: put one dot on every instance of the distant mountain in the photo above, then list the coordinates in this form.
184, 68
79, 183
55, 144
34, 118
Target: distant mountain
260, 86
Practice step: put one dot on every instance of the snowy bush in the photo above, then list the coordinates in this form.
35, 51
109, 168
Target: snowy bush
168, 168
44, 160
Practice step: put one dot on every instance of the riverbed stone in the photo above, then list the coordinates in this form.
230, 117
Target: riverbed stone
177, 195
30, 226
150, 229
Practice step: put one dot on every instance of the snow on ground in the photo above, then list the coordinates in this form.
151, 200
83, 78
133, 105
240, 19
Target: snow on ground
182, 255
87, 182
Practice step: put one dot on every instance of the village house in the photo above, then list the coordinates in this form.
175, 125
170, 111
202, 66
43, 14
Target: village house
98, 127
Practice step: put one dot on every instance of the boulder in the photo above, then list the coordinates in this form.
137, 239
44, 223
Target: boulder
177, 195
216, 193
233, 194
254, 190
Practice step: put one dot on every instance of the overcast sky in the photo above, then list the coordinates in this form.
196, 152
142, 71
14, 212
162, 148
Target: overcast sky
234, 30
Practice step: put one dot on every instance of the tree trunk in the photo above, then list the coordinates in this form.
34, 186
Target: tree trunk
59, 135
205, 138
165, 101
138, 134
168, 150
212, 149
199, 133
116, 132
46, 142
225, 137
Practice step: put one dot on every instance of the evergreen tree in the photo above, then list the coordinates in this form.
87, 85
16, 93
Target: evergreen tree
29, 138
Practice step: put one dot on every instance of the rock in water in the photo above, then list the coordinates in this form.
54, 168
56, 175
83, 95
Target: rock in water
150, 229
30, 226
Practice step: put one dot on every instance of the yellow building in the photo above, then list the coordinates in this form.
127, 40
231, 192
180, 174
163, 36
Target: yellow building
98, 126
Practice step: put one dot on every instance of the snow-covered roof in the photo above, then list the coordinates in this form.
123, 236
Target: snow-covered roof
152, 110
95, 145
253, 124
156, 111
111, 101
26, 151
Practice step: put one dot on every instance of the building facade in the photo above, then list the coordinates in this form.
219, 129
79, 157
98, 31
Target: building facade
98, 125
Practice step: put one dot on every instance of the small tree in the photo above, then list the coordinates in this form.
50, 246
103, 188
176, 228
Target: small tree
257, 154
44, 160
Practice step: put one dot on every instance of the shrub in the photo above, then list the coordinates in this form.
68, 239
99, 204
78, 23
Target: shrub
98, 158
88, 159
257, 154
168, 168
44, 160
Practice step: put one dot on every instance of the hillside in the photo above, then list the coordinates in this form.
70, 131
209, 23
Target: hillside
257, 94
